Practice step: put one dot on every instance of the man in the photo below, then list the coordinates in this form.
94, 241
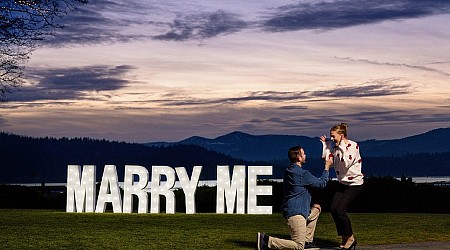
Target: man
301, 216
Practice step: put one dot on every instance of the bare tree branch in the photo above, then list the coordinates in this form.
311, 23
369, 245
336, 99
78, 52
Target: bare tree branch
24, 23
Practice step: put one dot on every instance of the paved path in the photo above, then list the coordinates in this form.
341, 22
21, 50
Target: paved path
415, 246
418, 246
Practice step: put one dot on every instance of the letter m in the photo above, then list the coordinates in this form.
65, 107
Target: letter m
80, 188
228, 191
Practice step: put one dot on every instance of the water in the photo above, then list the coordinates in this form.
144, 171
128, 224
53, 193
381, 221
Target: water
430, 179
212, 183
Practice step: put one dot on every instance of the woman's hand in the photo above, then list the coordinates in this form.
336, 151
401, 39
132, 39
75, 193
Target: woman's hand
323, 138
329, 162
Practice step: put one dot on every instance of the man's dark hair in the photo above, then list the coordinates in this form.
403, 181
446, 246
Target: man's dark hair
293, 153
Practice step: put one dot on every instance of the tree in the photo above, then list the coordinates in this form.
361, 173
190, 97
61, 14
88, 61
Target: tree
23, 23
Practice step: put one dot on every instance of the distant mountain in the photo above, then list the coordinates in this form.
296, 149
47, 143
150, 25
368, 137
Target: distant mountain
434, 141
274, 147
261, 147
26, 159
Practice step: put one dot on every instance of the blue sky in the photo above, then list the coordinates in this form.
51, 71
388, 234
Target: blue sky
142, 71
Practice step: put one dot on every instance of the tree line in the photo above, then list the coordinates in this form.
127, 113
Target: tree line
36, 160
380, 195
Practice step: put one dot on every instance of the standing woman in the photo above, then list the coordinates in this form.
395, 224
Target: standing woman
347, 164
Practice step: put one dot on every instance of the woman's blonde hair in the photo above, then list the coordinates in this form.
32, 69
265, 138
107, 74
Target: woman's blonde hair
340, 128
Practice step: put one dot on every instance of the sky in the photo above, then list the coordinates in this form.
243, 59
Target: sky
147, 71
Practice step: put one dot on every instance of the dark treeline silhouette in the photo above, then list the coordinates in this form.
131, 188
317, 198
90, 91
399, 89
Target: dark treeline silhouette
44, 160
37, 160
423, 164
381, 195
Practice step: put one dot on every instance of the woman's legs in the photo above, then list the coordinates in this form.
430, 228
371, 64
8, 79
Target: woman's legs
342, 199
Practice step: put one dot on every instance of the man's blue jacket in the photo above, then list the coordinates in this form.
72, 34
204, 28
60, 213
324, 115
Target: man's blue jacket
297, 198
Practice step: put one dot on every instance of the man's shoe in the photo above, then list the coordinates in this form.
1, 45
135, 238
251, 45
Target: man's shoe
310, 245
262, 241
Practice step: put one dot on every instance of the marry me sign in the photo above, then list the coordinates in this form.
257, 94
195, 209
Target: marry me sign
231, 189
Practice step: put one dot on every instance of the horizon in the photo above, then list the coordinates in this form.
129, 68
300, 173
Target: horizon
149, 71
212, 183
70, 138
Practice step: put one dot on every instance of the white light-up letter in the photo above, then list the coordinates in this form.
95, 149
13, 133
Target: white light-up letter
189, 187
130, 188
80, 192
109, 191
255, 190
157, 189
228, 188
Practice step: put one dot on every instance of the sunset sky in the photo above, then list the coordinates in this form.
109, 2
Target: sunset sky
145, 70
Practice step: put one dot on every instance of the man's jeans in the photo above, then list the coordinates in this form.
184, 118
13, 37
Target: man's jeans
301, 230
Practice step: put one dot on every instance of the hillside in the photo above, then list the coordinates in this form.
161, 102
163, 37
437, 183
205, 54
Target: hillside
25, 159
274, 147
434, 141
250, 147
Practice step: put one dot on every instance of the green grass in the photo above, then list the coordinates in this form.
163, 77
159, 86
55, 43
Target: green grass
46, 229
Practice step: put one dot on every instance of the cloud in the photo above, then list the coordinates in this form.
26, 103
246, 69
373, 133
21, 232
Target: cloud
384, 87
3, 122
366, 121
380, 88
107, 21
423, 68
71, 83
202, 26
111, 21
100, 21
252, 96
394, 117
340, 14
289, 107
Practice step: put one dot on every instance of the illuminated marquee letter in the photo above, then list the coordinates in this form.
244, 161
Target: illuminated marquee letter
157, 189
229, 190
254, 190
80, 192
189, 187
130, 188
109, 191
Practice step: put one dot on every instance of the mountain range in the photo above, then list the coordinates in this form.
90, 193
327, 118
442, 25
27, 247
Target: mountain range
25, 159
274, 147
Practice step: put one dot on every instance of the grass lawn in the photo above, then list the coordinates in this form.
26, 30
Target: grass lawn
47, 229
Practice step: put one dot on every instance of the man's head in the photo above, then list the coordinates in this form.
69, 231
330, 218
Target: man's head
297, 155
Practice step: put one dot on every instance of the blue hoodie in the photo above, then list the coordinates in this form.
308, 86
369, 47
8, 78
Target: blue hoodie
297, 198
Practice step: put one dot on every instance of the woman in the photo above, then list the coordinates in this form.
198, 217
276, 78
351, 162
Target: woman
347, 164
